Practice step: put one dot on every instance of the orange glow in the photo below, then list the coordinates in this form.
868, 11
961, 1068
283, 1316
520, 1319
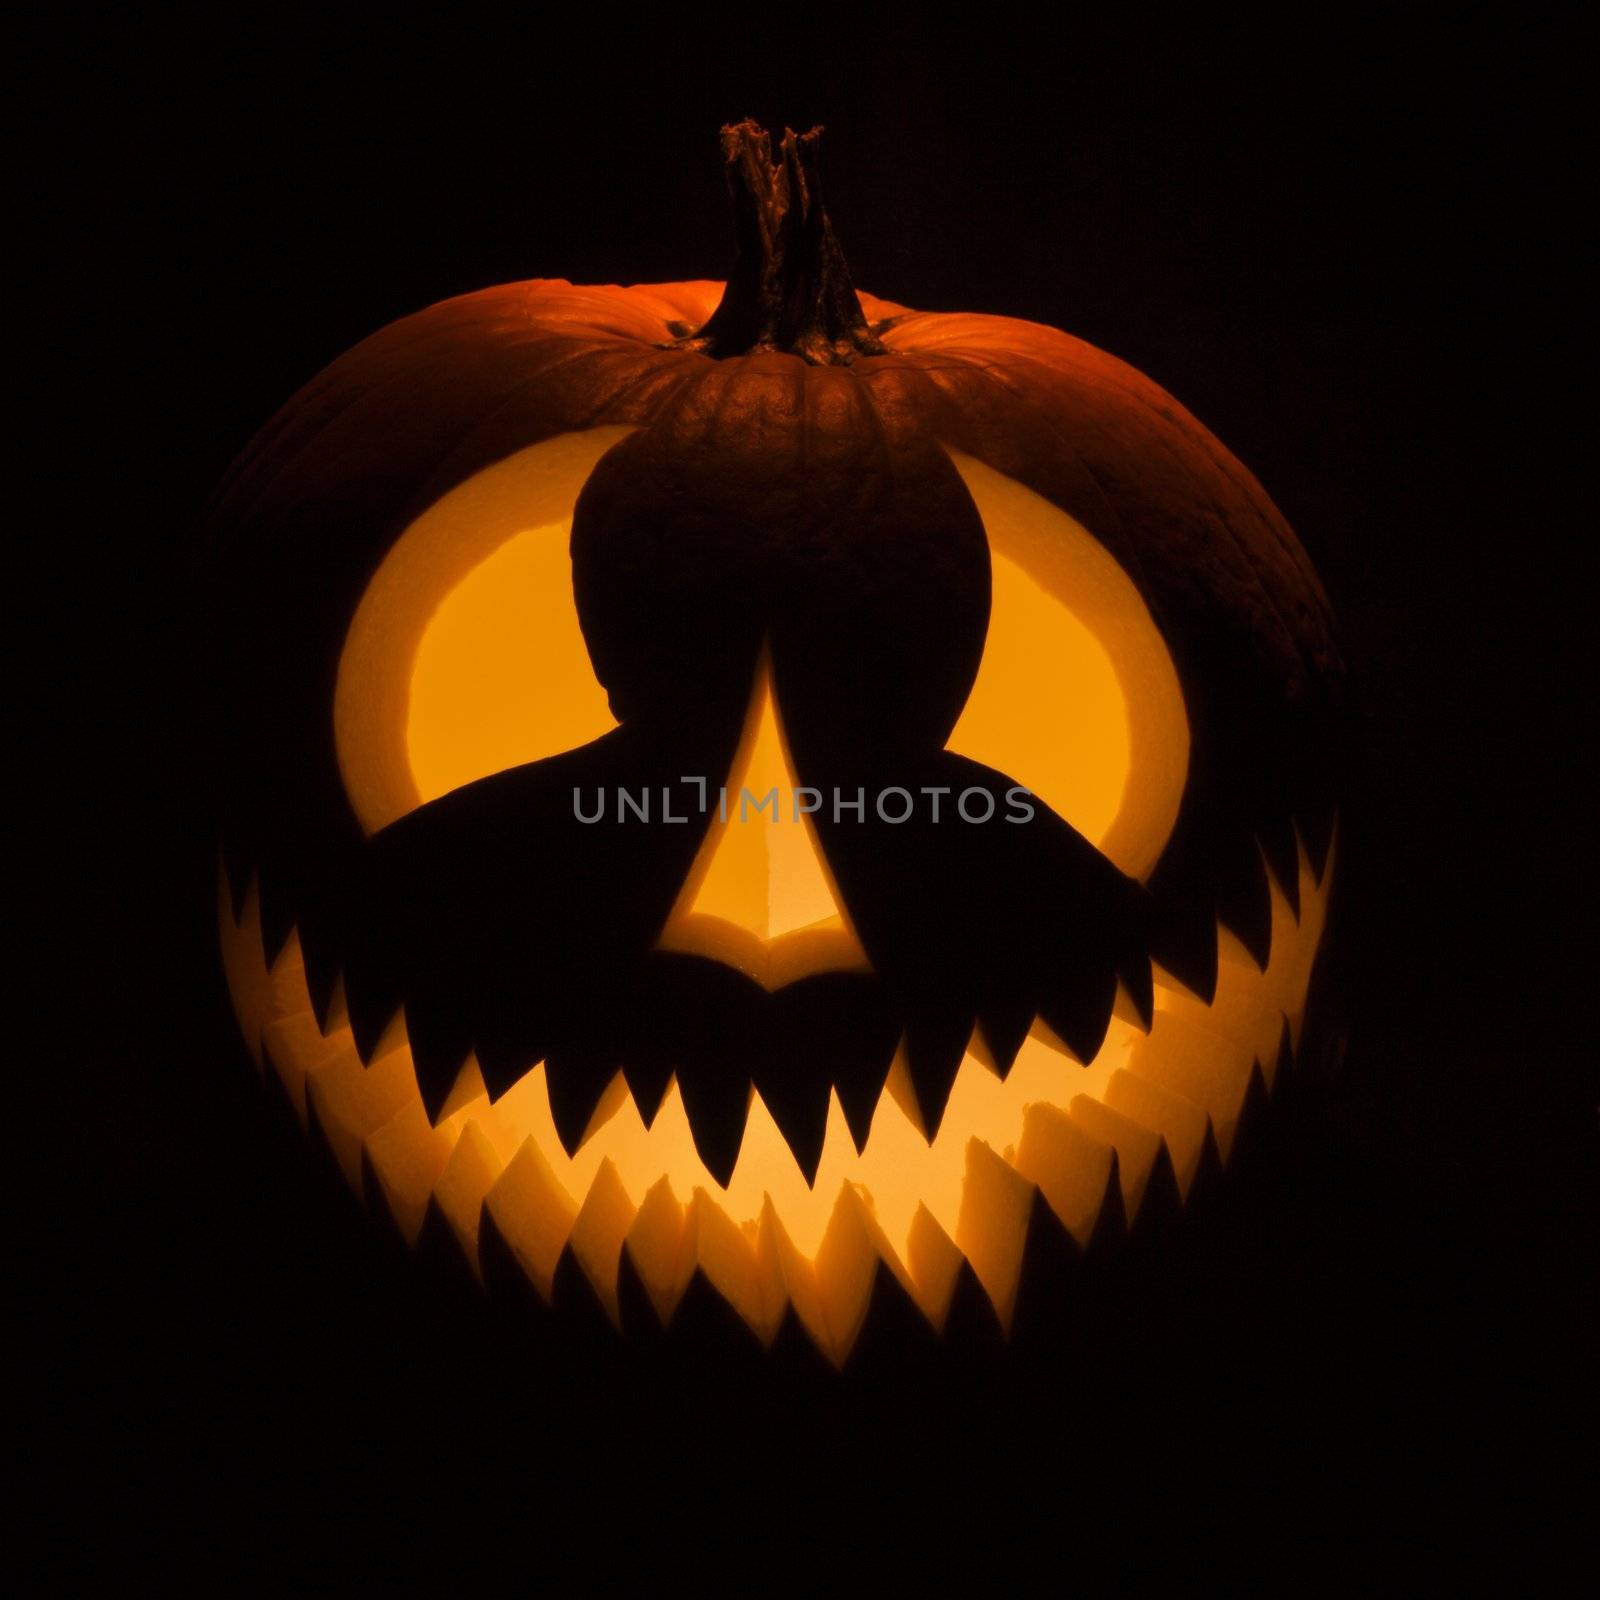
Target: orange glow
465, 656
1077, 698
502, 675
769, 1239
1047, 703
759, 896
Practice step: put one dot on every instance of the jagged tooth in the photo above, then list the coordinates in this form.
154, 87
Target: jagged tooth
971, 1325
1208, 1170
337, 1014
1161, 1201
598, 1230
280, 1108
1240, 1021
1138, 1148
1252, 1109
1071, 1167
506, 1277
438, 1247
352, 1100
586, 1316
934, 1051
796, 1356
717, 1102
830, 1295
1138, 983
904, 1315
900, 1089
934, 1260
1050, 1267
661, 1246
470, 1172
371, 1007
296, 1046
289, 997
317, 1138
533, 1215
798, 1103
509, 1047
996, 1201
648, 1082
718, 1337
1180, 1105
284, 1084
750, 1282
320, 952
610, 1103
406, 1156
467, 1088
638, 1320
236, 881
1003, 1029
859, 1079
1284, 1065
770, 1244
858, 1110
896, 1341
276, 915
1183, 1125
888, 1257
1278, 844
244, 962
1244, 896
799, 1282
576, 1085
1317, 828
373, 992
1183, 940
847, 1266
1204, 1067
440, 1042
1079, 1010
834, 1026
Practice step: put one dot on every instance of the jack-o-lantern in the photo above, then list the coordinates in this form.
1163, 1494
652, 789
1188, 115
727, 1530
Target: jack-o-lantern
754, 784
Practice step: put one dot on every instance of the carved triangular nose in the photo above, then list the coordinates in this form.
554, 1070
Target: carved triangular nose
759, 896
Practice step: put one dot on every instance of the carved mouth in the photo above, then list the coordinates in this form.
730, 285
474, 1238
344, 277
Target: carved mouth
1085, 1139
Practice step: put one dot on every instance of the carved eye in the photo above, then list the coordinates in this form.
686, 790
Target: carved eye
1076, 698
465, 656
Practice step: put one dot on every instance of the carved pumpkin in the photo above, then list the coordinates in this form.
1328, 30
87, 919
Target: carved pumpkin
526, 607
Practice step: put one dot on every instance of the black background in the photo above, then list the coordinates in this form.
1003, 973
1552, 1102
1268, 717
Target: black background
1349, 244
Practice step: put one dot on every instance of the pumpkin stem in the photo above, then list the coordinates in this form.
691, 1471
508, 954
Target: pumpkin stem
790, 289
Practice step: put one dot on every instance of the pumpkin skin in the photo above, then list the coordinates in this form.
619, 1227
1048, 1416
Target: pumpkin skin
761, 508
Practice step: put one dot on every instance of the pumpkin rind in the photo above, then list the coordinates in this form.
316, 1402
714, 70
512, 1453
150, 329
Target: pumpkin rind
308, 514
421, 406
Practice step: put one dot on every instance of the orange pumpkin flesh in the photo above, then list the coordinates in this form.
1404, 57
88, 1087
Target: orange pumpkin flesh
958, 543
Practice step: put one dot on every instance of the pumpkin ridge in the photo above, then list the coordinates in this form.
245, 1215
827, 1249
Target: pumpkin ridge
1131, 557
515, 518
1142, 393
1198, 437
